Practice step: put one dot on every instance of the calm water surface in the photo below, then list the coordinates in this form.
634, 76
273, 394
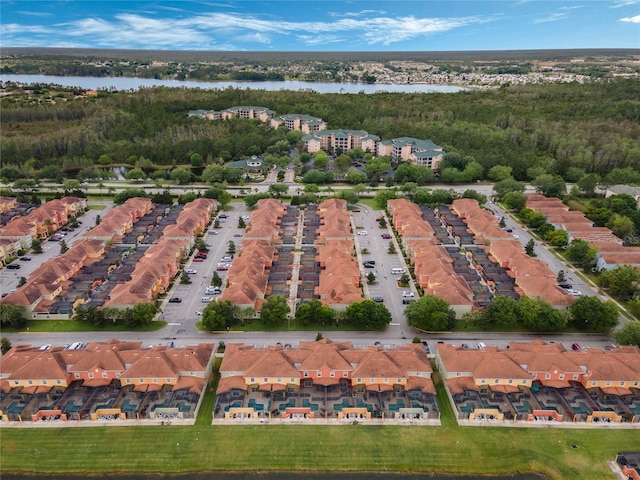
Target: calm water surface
127, 83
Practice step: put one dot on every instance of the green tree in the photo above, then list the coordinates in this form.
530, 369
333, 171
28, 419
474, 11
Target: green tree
540, 316
382, 223
371, 278
135, 174
241, 223
588, 184
355, 176
25, 184
5, 345
216, 281
213, 174
529, 248
498, 173
622, 281
581, 253
342, 164
391, 249
508, 185
629, 334
368, 315
591, 313
196, 160
514, 200
562, 277
320, 160
382, 197
36, 246
219, 315
231, 247
430, 313
185, 279
181, 175
63, 247
621, 226
274, 310
550, 185
276, 190
143, 313
13, 316
314, 313
502, 313
557, 238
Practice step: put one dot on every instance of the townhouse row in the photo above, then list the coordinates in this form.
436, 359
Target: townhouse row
612, 252
131, 257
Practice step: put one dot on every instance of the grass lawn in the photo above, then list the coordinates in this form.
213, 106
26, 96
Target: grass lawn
339, 448
43, 326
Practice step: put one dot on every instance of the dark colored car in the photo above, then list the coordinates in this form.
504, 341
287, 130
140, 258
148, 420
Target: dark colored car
406, 301
565, 285
386, 236
175, 300
25, 259
368, 265
377, 299
13, 266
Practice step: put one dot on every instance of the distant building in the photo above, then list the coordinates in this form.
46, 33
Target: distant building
340, 141
249, 112
301, 123
418, 152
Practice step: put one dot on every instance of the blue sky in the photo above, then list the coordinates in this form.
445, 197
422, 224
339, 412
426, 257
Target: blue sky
302, 25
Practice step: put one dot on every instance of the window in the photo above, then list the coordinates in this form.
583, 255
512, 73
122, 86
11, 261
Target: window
59, 382
279, 380
561, 377
345, 374
318, 374
510, 381
608, 384
622, 384
484, 380
155, 380
635, 384
90, 374
265, 379
372, 380
308, 383
575, 376
547, 376
496, 381
128, 380
524, 382
168, 380
332, 374
306, 374
359, 380
30, 382
399, 380
15, 382
594, 383
253, 380
104, 374
386, 380
142, 380
44, 382
76, 375
534, 376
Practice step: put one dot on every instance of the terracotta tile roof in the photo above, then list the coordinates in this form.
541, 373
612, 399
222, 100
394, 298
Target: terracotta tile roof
273, 363
377, 364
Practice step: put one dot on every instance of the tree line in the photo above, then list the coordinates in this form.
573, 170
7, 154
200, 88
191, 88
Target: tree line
568, 130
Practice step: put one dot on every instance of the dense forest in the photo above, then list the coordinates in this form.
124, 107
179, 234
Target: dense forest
561, 129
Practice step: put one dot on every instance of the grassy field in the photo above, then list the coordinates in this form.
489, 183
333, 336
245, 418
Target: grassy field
318, 448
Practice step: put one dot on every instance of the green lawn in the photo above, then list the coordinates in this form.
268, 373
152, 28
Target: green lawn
43, 326
451, 449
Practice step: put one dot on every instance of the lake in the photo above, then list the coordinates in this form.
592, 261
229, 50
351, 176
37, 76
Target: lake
280, 476
128, 83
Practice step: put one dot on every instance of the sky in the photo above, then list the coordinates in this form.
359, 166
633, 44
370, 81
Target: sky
321, 25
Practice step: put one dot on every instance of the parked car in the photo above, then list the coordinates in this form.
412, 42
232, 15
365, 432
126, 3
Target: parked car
222, 268
377, 299
508, 230
25, 259
206, 299
565, 285
226, 258
175, 300
198, 312
406, 294
198, 259
386, 236
481, 346
13, 266
575, 293
213, 232
46, 346
212, 290
426, 347
362, 232
191, 271
368, 265
237, 235
576, 346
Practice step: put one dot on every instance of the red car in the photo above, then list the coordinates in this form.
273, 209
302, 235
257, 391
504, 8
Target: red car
198, 259
386, 236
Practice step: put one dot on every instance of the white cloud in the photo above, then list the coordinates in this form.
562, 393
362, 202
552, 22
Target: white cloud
212, 30
624, 3
552, 17
635, 19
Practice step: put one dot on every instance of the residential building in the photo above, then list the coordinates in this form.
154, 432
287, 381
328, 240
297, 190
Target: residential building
298, 122
248, 112
336, 142
408, 149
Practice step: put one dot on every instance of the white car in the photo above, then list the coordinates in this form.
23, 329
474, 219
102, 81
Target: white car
575, 293
191, 271
362, 232
517, 237
198, 312
213, 232
406, 294
206, 299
